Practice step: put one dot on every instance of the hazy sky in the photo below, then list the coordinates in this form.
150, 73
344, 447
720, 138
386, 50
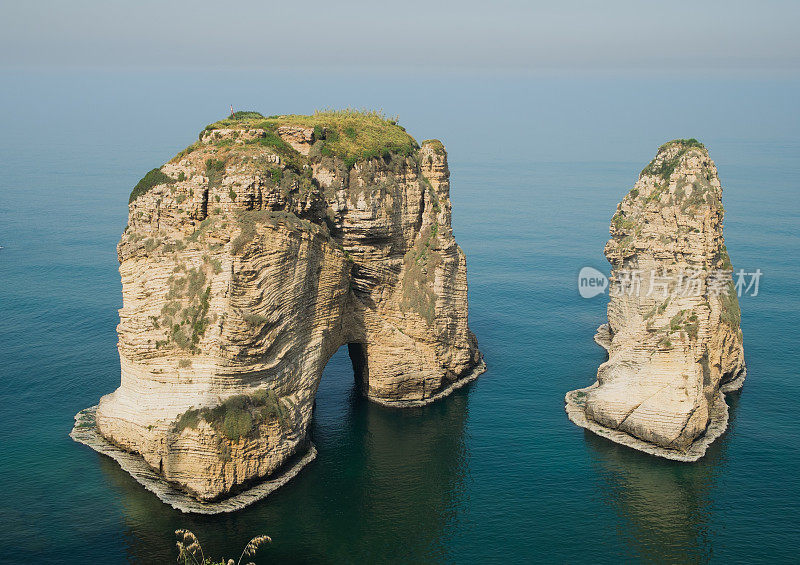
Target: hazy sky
699, 35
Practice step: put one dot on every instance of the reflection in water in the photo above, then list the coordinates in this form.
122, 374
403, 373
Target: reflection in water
413, 477
385, 487
664, 506
139, 506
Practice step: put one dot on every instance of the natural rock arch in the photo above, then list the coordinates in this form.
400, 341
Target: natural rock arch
255, 254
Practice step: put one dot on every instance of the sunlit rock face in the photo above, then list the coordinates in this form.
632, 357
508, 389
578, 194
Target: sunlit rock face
673, 335
249, 259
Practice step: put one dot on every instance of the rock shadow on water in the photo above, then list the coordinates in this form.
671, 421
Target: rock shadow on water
665, 506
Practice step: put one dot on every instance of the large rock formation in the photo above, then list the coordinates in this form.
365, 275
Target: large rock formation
673, 338
249, 259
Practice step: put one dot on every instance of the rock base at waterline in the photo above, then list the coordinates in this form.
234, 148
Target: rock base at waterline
717, 425
85, 432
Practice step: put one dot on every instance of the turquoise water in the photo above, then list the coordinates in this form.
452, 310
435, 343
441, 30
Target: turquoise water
495, 473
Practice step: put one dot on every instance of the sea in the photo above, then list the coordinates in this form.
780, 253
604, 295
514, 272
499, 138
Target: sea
495, 473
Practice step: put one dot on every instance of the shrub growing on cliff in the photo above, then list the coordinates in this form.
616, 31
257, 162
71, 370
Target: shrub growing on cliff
247, 115
189, 419
706, 368
185, 152
237, 423
253, 319
186, 324
215, 165
731, 313
179, 337
215, 169
197, 315
725, 259
151, 179
420, 263
701, 196
676, 321
237, 416
621, 223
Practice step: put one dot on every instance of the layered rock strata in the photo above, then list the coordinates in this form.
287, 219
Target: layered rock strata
673, 338
249, 259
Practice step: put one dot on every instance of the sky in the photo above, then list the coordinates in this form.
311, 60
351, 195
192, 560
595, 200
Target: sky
701, 36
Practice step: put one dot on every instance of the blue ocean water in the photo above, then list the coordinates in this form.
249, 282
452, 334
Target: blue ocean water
495, 473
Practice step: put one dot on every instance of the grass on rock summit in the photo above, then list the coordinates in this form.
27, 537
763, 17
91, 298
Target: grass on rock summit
349, 135
352, 135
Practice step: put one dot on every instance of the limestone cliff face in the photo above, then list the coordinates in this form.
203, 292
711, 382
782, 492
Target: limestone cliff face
249, 259
673, 336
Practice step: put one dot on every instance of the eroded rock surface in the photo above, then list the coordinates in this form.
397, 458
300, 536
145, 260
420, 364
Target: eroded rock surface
249, 259
673, 336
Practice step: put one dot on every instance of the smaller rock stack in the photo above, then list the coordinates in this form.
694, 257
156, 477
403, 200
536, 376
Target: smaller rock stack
673, 337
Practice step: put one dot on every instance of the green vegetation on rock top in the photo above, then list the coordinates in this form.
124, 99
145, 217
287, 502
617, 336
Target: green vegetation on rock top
688, 143
352, 135
247, 115
436, 145
665, 167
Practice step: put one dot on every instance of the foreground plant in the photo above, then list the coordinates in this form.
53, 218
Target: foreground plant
190, 551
